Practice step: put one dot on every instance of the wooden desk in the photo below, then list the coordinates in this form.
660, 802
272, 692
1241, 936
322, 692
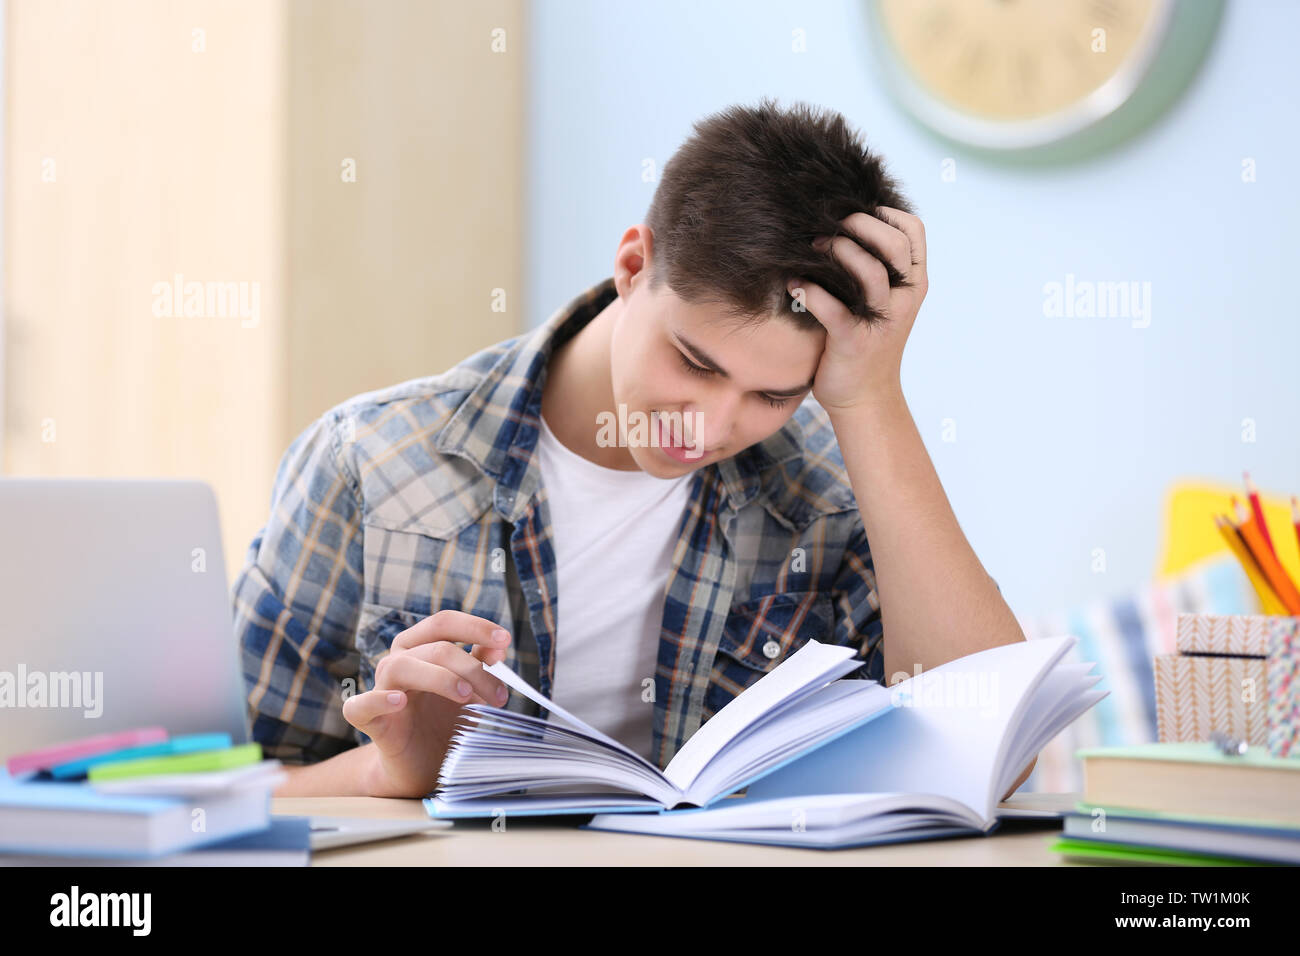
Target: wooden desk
548, 842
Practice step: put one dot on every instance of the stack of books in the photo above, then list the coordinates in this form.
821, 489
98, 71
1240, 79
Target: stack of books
1186, 803
141, 797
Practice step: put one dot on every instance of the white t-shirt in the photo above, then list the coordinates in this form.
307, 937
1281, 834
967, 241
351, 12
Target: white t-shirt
613, 533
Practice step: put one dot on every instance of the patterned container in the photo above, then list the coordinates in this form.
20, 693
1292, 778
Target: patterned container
1236, 673
1195, 695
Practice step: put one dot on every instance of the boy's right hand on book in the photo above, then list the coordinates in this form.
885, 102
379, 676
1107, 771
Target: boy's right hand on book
421, 687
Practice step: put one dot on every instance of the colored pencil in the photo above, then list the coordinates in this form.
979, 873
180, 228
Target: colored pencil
1253, 493
1274, 573
1262, 588
1295, 519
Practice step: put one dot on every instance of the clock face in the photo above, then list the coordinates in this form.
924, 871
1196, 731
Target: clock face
1007, 60
1039, 77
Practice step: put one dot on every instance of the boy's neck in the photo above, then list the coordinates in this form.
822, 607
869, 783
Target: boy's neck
579, 387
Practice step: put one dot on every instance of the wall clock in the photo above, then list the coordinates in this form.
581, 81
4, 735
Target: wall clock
1039, 80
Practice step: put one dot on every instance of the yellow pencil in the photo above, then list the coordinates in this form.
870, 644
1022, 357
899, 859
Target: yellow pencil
1266, 596
1273, 572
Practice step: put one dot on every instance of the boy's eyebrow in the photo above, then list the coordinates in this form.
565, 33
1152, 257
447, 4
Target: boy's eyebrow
703, 358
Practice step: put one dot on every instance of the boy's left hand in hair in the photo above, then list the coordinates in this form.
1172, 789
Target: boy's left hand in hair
861, 361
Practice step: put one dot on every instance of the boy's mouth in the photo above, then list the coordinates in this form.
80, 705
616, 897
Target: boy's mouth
678, 450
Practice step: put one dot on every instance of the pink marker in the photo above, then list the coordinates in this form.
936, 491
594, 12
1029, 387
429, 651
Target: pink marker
48, 757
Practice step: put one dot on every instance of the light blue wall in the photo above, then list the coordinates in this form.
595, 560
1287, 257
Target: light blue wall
1068, 430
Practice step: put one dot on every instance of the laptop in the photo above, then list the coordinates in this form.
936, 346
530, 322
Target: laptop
116, 589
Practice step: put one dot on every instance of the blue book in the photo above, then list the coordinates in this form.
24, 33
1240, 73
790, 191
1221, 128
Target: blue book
71, 818
1253, 840
285, 842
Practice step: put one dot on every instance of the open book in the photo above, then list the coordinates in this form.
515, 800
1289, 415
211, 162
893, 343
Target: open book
505, 762
567, 766
937, 764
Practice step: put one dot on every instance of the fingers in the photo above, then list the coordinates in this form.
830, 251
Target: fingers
450, 625
912, 227
887, 241
825, 308
362, 710
440, 668
870, 272
488, 655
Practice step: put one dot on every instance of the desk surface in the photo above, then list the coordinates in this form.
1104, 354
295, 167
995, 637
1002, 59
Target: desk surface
550, 842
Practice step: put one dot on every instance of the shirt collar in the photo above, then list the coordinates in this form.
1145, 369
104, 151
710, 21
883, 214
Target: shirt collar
496, 426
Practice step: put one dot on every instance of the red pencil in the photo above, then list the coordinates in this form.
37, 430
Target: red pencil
1276, 575
1295, 519
1258, 509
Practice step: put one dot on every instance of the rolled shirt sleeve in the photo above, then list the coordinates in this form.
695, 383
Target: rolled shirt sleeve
297, 601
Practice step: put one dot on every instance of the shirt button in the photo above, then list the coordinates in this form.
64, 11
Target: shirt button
771, 649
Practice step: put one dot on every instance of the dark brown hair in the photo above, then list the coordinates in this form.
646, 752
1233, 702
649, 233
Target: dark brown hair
740, 202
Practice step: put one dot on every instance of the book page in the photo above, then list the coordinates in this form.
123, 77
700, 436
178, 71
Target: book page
515, 682
811, 662
946, 733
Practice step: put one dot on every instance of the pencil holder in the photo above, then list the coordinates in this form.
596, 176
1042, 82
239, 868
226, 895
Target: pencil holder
1234, 673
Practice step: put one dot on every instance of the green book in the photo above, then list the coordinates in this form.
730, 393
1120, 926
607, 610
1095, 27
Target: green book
1194, 751
203, 761
1134, 855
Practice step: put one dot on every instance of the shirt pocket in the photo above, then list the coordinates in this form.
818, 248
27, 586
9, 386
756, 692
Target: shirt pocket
760, 634
376, 628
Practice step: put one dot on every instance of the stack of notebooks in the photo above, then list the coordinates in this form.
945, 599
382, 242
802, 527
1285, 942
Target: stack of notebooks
140, 797
828, 762
1187, 803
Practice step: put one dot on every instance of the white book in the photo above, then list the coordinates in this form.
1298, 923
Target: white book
266, 775
951, 745
566, 766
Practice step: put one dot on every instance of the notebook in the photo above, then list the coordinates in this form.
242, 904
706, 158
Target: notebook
935, 764
1124, 854
1206, 835
266, 774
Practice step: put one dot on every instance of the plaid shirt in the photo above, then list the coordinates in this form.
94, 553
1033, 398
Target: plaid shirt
427, 495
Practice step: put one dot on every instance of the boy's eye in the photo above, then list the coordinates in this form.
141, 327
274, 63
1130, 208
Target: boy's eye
692, 367
701, 370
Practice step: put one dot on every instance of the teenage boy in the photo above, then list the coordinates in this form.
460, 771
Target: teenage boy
642, 506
